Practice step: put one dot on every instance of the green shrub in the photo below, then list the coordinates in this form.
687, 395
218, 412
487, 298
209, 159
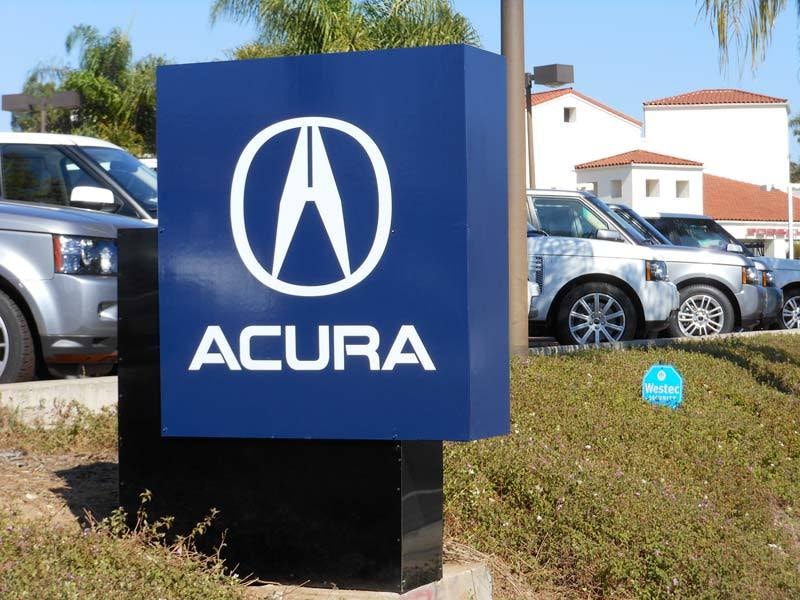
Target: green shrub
599, 493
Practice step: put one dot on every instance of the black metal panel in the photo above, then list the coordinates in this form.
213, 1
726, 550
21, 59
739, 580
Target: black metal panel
421, 513
355, 514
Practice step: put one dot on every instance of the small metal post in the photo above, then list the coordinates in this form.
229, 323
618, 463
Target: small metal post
529, 108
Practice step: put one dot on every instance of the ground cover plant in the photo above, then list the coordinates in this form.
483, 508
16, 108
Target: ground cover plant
597, 493
74, 429
594, 493
108, 559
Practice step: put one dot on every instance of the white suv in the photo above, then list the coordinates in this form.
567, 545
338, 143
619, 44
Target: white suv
76, 171
593, 289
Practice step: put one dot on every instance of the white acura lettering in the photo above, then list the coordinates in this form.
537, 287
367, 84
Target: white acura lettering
349, 341
245, 356
204, 355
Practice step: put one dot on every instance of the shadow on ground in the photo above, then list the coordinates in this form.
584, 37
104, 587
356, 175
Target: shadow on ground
91, 488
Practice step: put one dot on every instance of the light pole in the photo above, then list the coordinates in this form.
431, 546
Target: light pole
29, 103
513, 49
551, 76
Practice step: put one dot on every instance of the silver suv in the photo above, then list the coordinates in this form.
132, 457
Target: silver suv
720, 291
58, 289
701, 231
593, 289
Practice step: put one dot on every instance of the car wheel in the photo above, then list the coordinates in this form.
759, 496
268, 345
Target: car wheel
595, 313
703, 310
17, 352
790, 315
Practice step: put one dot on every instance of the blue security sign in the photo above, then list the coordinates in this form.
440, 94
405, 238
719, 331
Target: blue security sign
333, 246
663, 385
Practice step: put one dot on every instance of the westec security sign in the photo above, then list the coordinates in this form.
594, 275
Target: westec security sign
332, 246
663, 385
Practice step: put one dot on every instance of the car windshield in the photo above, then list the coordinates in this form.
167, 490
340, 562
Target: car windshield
138, 180
633, 233
696, 233
641, 225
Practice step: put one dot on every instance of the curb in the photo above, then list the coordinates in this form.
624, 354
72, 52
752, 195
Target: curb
43, 402
656, 343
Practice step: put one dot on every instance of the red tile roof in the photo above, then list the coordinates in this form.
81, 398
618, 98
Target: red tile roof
542, 97
638, 157
727, 96
732, 200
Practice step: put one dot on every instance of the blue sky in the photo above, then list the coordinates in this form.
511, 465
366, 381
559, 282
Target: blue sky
624, 51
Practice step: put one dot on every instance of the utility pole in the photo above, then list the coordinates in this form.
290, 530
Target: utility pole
513, 49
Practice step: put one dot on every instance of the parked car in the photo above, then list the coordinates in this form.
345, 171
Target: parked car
58, 289
700, 231
150, 163
70, 170
720, 291
592, 288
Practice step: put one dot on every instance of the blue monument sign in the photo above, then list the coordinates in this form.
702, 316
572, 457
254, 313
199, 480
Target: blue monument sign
333, 246
663, 385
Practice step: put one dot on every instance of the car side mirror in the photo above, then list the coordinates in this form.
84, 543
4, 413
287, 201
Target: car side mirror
610, 235
95, 196
734, 248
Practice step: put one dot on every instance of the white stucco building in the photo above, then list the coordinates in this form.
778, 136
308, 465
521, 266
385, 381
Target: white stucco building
751, 213
735, 134
648, 182
571, 128
721, 152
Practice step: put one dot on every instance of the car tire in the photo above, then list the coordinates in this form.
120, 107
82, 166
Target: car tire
595, 313
790, 312
703, 310
17, 353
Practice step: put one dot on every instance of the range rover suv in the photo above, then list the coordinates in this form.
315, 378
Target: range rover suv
700, 231
71, 170
592, 288
719, 291
58, 289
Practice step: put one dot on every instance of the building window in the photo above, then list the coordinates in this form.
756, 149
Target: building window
590, 187
681, 188
651, 188
616, 188
569, 114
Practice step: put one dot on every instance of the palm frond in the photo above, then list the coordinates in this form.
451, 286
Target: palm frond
744, 25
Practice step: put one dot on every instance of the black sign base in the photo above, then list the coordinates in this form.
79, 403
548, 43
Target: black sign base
351, 514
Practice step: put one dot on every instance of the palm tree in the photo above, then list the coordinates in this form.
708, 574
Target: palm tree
746, 25
117, 93
288, 27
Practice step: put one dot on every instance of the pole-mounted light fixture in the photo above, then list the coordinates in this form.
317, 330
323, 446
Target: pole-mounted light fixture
30, 103
550, 76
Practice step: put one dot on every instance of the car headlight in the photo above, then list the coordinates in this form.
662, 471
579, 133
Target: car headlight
768, 278
656, 270
75, 255
750, 275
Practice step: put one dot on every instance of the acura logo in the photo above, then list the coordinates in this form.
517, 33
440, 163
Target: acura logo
310, 179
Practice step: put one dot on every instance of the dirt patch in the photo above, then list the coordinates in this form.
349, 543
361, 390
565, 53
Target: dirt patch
59, 488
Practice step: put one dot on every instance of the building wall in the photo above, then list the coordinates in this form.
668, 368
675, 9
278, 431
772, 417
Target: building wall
634, 187
559, 146
745, 142
601, 181
773, 234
